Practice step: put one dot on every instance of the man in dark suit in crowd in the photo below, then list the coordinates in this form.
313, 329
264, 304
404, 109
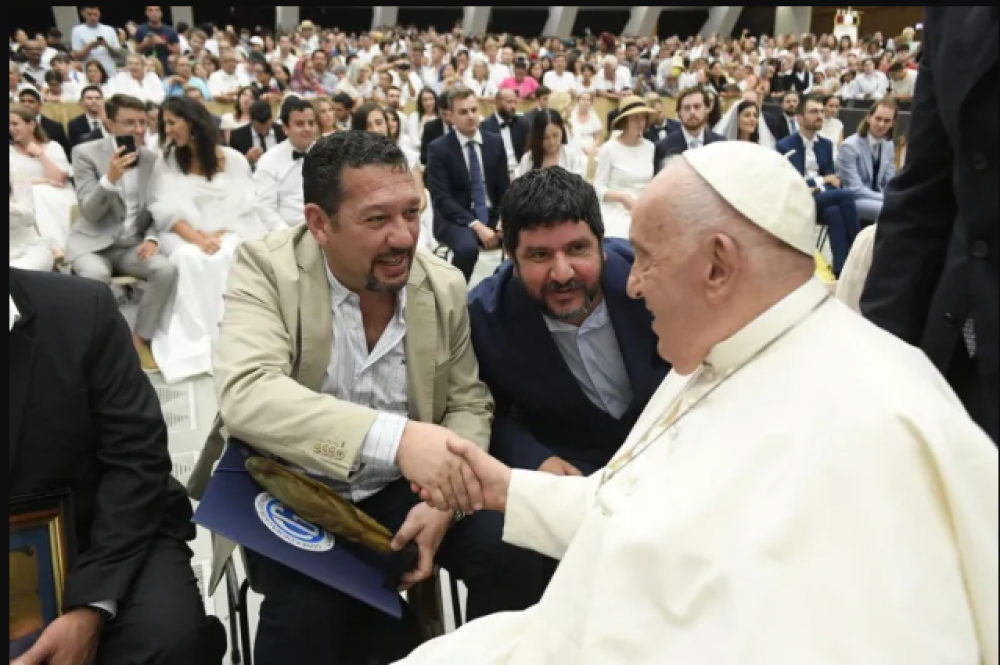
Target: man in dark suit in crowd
784, 125
467, 175
84, 417
436, 128
31, 99
259, 136
933, 281
509, 126
692, 108
84, 126
812, 156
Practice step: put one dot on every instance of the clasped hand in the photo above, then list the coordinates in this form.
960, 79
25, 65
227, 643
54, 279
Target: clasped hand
450, 473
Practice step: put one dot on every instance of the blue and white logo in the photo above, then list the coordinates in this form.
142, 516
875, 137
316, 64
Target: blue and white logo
285, 524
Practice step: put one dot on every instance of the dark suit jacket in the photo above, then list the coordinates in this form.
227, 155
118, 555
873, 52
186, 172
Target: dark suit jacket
518, 132
778, 124
935, 264
541, 410
795, 149
54, 130
653, 134
79, 128
676, 144
83, 416
241, 139
432, 131
449, 183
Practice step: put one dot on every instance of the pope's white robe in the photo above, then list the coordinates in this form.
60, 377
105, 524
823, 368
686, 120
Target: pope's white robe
829, 504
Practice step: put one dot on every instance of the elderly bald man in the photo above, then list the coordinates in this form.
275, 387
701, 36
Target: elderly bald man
803, 488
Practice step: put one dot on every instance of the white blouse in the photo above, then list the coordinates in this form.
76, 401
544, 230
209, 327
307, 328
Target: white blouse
585, 133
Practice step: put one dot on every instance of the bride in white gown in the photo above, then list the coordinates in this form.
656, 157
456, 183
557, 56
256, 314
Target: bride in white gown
203, 203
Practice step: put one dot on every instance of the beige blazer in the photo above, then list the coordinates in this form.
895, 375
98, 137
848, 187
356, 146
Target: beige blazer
274, 349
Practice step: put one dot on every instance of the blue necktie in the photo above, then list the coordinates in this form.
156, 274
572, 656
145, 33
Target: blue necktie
479, 206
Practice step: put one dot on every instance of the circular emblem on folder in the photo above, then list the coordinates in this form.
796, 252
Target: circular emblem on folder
285, 524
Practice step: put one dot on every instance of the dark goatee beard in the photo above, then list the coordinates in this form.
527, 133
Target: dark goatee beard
581, 312
373, 284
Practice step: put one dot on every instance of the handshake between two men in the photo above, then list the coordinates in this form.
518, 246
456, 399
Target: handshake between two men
450, 473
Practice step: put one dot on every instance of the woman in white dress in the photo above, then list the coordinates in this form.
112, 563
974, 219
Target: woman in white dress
833, 128
585, 125
28, 250
40, 173
427, 110
373, 118
138, 82
742, 123
548, 145
624, 167
204, 205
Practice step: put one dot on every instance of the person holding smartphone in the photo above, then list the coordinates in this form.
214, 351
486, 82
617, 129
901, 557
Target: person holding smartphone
115, 234
94, 40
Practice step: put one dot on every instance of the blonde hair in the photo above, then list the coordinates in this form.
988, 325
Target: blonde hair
27, 117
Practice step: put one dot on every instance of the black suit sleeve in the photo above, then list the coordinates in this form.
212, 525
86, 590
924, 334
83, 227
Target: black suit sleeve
132, 449
915, 225
438, 182
502, 170
425, 142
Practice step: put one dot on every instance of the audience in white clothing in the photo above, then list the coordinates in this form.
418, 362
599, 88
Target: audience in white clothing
204, 206
549, 145
41, 172
135, 81
278, 177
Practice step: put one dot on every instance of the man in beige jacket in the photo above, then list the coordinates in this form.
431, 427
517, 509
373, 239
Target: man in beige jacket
346, 354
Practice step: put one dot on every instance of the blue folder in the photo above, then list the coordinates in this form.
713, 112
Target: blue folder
236, 507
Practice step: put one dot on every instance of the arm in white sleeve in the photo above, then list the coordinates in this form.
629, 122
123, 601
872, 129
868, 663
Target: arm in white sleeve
266, 182
381, 444
545, 511
602, 177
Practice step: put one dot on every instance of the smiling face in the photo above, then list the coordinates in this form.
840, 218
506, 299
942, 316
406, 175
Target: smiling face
371, 242
748, 120
560, 266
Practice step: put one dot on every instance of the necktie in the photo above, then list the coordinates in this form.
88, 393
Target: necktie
876, 165
95, 125
506, 124
794, 125
297, 154
479, 206
695, 143
263, 142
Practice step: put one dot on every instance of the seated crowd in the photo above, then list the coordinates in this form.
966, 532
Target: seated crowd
277, 249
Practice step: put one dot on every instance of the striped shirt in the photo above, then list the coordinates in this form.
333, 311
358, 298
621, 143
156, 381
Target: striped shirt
376, 380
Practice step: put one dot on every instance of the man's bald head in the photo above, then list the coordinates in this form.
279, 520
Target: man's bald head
703, 268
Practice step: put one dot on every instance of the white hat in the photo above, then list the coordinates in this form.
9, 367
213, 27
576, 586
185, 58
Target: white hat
763, 186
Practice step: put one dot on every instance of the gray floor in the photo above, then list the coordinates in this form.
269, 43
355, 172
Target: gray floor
189, 408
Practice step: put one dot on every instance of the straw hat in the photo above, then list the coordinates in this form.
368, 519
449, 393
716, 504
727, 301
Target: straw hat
631, 105
560, 101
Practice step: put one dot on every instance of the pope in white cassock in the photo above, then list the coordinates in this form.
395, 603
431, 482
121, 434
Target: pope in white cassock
804, 489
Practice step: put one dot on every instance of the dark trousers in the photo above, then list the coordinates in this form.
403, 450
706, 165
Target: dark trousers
837, 211
304, 621
163, 621
464, 245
